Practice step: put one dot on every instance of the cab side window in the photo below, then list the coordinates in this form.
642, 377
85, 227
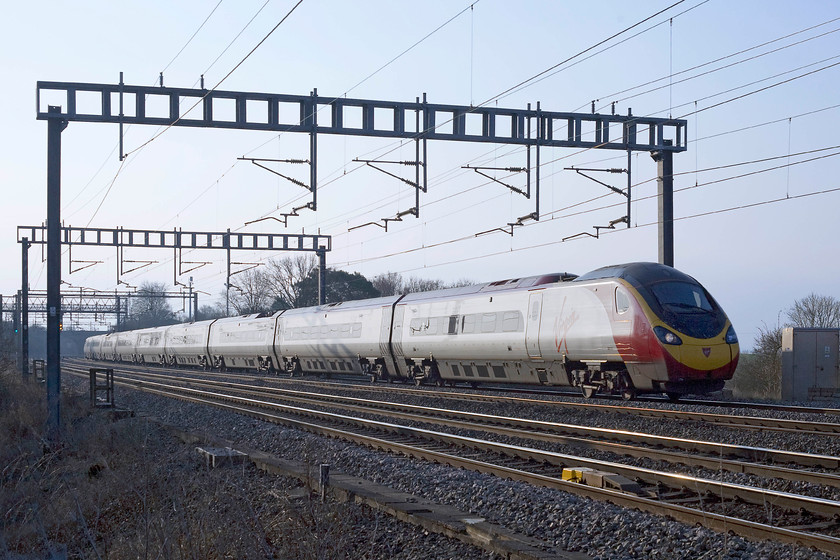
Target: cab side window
622, 302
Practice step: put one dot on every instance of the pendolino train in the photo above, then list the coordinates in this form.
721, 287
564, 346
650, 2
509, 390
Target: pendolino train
624, 329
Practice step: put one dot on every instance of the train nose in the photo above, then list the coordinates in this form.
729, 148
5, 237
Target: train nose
705, 356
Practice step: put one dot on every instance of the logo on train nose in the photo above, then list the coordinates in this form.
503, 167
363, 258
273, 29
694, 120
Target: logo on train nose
707, 352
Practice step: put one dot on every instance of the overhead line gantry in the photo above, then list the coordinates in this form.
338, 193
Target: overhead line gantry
129, 104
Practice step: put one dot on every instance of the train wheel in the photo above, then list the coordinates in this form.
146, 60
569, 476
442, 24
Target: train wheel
673, 397
588, 391
625, 385
628, 393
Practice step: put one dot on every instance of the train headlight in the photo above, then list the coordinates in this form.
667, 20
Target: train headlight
731, 337
666, 337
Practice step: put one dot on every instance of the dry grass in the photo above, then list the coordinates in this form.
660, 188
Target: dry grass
125, 489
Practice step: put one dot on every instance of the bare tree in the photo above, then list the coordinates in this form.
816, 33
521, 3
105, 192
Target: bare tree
388, 283
461, 282
815, 311
149, 308
341, 286
414, 284
392, 283
251, 293
759, 374
284, 276
215, 311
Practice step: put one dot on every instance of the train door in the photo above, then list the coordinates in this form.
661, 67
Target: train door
396, 340
532, 328
385, 339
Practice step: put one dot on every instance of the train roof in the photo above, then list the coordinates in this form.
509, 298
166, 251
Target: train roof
499, 285
522, 282
637, 272
343, 305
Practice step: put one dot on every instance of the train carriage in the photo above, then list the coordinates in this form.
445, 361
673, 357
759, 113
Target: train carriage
150, 346
623, 329
669, 334
481, 333
108, 347
186, 344
125, 346
92, 345
244, 342
346, 337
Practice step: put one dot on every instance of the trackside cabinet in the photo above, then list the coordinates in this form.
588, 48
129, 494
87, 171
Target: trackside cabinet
810, 363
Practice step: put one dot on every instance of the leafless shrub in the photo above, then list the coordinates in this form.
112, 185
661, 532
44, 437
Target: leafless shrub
815, 311
125, 489
759, 375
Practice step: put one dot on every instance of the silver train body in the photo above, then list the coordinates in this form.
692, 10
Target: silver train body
594, 331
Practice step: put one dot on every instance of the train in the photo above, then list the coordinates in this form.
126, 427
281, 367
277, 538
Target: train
625, 329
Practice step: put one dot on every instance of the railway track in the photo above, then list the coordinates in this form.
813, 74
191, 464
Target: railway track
715, 504
760, 461
714, 418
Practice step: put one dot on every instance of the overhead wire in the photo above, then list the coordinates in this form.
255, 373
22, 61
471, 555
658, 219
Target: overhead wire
219, 3
521, 84
580, 53
744, 175
725, 67
220, 82
462, 259
705, 64
154, 137
362, 81
399, 144
230, 44
551, 216
116, 146
727, 57
394, 59
740, 96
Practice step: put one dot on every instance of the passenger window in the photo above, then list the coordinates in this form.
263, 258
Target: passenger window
622, 302
510, 321
469, 324
488, 323
453, 324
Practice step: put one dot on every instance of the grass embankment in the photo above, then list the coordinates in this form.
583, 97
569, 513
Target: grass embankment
126, 489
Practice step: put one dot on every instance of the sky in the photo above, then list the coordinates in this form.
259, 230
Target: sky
757, 194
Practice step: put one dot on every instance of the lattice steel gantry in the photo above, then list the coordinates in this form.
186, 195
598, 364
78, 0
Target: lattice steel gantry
660, 136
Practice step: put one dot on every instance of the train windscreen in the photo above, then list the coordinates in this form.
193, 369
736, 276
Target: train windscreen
688, 308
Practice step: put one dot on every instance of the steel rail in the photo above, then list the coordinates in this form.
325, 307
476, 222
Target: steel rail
715, 521
720, 489
720, 453
733, 421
